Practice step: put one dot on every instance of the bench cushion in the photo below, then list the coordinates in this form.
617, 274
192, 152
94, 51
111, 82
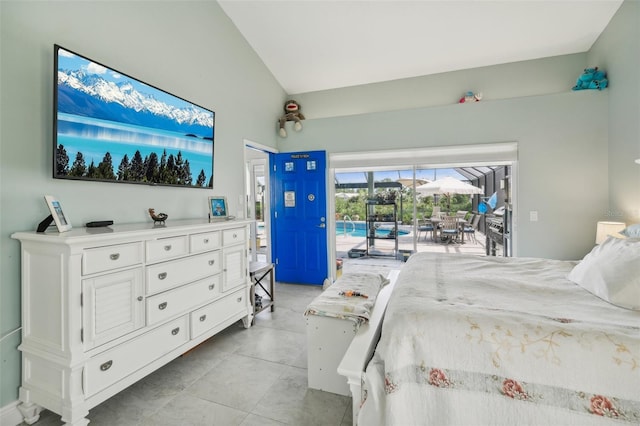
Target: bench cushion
331, 303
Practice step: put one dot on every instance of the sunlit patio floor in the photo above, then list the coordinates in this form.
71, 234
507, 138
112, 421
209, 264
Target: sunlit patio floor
383, 254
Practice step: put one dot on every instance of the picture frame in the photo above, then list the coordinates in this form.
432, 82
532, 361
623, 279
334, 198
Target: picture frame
218, 209
62, 222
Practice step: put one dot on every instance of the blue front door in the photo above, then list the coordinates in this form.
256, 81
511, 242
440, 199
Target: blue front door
299, 223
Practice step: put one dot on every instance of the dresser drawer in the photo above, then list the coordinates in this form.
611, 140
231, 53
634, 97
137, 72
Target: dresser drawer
213, 314
107, 258
173, 302
204, 242
167, 248
107, 368
234, 236
167, 275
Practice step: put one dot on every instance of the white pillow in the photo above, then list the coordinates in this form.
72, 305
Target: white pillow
631, 231
611, 271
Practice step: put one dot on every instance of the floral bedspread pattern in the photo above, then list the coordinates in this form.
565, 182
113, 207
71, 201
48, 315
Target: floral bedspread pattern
564, 398
501, 341
336, 302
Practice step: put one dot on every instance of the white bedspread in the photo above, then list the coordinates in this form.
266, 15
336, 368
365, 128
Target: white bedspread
491, 340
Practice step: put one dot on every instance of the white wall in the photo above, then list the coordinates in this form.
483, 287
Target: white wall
188, 48
617, 51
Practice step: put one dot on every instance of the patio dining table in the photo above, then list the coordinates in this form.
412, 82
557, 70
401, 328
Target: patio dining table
436, 226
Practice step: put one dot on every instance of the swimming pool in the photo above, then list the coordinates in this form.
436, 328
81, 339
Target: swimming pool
358, 229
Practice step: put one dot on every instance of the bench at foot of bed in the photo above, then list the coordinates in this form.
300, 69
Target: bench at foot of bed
333, 320
327, 341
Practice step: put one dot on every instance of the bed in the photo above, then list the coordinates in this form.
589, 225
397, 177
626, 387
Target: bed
491, 340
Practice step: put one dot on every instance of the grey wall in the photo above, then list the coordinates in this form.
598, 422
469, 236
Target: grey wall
518, 79
562, 145
187, 48
617, 51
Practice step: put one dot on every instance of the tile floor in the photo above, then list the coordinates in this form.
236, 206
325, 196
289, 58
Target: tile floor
255, 376
246, 377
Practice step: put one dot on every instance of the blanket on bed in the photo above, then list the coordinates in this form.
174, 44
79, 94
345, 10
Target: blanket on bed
501, 341
351, 297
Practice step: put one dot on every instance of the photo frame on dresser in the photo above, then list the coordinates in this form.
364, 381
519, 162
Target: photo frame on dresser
218, 208
57, 214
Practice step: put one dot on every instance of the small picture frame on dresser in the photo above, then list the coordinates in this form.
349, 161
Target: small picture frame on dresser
61, 221
218, 208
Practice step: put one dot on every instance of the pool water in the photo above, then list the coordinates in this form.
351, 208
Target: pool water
358, 229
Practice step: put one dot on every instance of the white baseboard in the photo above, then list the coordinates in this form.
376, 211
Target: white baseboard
10, 415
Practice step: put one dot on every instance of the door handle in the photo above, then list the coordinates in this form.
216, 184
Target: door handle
322, 225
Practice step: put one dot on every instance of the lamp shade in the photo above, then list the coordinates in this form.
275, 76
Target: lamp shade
605, 229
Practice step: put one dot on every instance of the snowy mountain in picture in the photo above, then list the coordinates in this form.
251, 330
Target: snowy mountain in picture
90, 95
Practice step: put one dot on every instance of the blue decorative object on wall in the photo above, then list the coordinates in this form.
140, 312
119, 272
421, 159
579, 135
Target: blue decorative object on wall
591, 78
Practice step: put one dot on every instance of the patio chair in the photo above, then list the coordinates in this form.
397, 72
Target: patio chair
461, 214
425, 226
471, 229
449, 229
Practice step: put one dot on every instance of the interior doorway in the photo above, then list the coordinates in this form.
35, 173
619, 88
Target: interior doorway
258, 205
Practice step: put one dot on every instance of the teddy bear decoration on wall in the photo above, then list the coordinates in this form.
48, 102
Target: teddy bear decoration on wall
291, 113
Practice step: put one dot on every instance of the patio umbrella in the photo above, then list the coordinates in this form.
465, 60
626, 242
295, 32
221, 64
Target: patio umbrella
448, 186
408, 183
345, 195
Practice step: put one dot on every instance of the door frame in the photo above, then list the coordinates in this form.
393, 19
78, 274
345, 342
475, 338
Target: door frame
489, 154
250, 194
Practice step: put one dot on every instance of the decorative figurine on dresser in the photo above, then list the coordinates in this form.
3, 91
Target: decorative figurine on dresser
158, 218
103, 310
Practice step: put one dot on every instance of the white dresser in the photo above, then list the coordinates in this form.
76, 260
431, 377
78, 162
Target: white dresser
104, 307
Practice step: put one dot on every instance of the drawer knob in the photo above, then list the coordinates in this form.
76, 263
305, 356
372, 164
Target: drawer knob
212, 286
175, 331
206, 241
162, 306
139, 298
107, 365
235, 235
114, 256
167, 247
162, 275
211, 262
239, 299
202, 318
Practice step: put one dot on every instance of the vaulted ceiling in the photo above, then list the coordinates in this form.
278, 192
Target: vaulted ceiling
312, 45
